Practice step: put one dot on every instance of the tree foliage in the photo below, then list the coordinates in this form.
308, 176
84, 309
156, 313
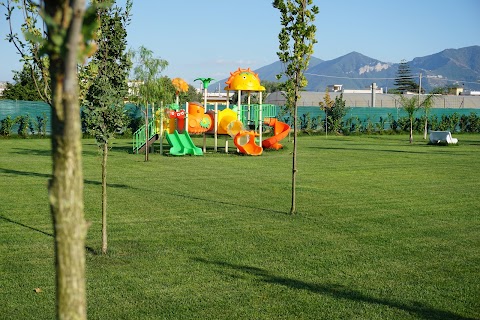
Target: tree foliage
104, 101
404, 79
24, 86
149, 85
296, 40
338, 111
30, 47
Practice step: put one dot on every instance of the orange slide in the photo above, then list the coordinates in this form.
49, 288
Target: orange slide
280, 131
245, 142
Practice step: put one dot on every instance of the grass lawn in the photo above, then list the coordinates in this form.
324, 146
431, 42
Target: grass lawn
385, 230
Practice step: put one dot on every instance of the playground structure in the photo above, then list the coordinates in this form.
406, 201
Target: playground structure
243, 123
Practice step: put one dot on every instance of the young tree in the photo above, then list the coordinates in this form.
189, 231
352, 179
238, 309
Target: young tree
104, 108
56, 55
296, 38
404, 80
337, 113
326, 105
411, 105
68, 40
427, 105
148, 86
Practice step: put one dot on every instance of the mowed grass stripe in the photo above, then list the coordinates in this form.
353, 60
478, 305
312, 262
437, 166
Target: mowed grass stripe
386, 230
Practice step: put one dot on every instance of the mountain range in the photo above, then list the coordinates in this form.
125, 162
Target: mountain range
354, 70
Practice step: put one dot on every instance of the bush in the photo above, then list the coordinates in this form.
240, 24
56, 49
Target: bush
40, 126
6, 126
470, 123
23, 125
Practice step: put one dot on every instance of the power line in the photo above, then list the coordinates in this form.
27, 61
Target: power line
354, 78
351, 78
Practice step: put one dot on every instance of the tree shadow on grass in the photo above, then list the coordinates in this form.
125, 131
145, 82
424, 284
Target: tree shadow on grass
45, 153
191, 197
88, 249
122, 149
426, 152
33, 152
48, 176
334, 290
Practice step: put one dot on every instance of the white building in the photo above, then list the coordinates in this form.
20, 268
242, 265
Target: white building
3, 85
339, 88
470, 93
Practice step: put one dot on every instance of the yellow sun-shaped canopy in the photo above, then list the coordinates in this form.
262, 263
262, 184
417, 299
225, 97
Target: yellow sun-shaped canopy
244, 79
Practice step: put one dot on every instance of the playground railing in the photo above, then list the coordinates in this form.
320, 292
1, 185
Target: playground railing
252, 115
139, 135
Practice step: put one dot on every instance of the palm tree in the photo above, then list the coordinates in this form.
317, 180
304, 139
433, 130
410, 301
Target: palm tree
411, 105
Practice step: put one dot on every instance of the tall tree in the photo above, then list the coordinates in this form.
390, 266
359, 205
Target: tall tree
104, 108
55, 54
296, 38
149, 87
404, 79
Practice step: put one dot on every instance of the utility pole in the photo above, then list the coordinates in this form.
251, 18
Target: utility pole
419, 88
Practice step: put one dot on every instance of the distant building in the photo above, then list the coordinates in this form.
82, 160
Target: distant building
133, 86
218, 97
457, 91
334, 87
3, 85
339, 88
377, 90
470, 93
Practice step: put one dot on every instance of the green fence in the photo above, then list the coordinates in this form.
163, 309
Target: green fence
375, 115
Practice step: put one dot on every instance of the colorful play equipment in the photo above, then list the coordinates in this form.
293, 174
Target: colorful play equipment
241, 122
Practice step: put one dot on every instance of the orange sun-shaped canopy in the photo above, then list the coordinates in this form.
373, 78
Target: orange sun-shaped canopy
244, 79
180, 85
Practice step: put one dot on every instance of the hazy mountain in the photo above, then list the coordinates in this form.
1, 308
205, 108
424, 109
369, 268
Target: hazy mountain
356, 71
353, 71
449, 65
269, 72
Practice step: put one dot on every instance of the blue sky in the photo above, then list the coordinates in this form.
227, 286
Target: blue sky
212, 38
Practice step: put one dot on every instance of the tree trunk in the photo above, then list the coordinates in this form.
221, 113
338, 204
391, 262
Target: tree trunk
411, 130
104, 198
293, 209
326, 123
426, 129
66, 184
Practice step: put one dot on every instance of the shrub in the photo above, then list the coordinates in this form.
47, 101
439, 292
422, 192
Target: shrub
23, 125
6, 126
40, 125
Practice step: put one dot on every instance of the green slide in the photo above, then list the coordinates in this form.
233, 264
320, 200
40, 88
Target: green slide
181, 144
